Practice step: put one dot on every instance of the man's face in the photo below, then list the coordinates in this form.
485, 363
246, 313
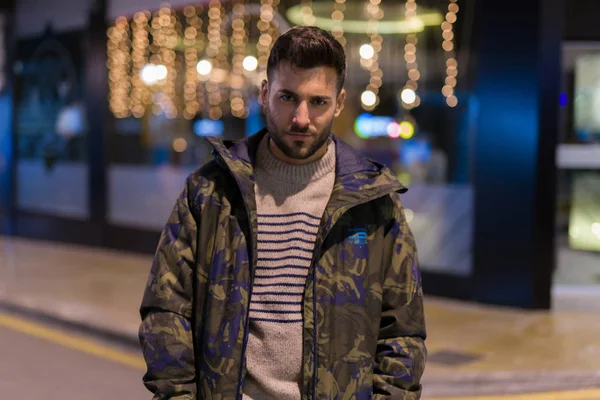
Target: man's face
300, 105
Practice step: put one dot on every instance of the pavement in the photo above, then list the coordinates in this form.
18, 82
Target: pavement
39, 362
474, 350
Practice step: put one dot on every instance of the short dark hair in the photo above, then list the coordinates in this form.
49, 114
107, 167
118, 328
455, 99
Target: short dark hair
308, 47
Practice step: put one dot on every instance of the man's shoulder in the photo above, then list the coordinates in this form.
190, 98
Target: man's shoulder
210, 170
206, 179
389, 208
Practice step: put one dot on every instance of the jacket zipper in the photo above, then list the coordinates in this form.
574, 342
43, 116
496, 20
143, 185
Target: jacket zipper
313, 386
241, 376
240, 392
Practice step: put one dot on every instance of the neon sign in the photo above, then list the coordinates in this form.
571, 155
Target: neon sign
369, 126
208, 127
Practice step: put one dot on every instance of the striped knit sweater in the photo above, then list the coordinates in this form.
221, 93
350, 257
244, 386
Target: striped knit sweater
290, 201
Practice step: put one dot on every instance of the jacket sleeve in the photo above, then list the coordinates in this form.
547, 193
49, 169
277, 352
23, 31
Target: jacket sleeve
401, 350
166, 330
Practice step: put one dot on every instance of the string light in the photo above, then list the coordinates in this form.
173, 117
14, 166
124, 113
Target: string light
180, 145
214, 45
338, 17
140, 94
155, 58
164, 33
173, 64
222, 73
159, 62
194, 44
410, 56
368, 98
118, 66
371, 64
366, 51
451, 62
265, 40
197, 23
274, 24
239, 40
250, 63
307, 13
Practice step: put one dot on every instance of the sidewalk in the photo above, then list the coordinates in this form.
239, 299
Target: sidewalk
99, 288
474, 349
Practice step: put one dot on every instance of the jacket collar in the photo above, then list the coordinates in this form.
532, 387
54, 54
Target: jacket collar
358, 179
348, 161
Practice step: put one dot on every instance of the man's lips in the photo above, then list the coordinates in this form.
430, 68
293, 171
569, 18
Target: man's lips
301, 137
299, 134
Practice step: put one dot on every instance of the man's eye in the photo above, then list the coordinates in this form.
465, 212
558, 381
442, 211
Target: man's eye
286, 97
319, 102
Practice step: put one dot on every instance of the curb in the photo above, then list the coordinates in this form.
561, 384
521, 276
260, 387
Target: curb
123, 339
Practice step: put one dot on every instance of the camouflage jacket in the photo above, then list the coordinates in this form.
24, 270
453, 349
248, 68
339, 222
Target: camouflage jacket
364, 329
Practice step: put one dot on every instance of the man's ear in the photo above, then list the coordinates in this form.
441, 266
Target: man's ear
340, 102
264, 93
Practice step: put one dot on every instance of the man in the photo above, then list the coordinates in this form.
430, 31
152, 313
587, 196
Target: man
287, 269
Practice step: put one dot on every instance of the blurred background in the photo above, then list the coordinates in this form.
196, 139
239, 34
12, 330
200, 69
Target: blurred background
489, 113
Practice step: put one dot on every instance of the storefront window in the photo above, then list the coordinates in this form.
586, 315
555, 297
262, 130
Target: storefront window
578, 161
50, 125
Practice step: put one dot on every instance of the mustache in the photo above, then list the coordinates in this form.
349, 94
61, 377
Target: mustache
299, 129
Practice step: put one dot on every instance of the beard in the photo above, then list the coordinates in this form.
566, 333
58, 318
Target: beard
297, 149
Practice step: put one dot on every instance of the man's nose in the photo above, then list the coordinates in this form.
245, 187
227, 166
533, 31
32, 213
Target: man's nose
301, 117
